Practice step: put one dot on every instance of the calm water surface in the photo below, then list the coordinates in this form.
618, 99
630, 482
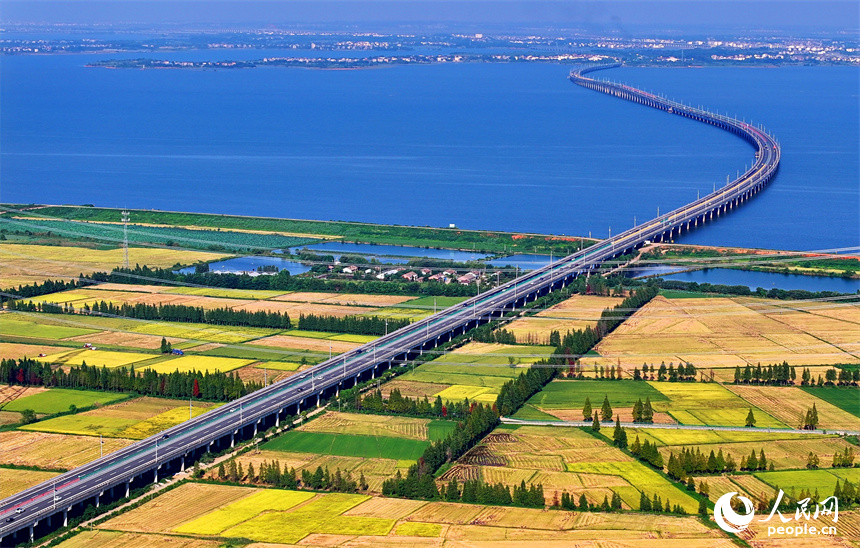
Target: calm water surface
486, 146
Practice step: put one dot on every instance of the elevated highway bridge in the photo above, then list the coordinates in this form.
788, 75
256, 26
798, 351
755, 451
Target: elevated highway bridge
49, 505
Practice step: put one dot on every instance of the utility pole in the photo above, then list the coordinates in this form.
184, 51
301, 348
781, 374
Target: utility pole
125, 219
101, 446
190, 414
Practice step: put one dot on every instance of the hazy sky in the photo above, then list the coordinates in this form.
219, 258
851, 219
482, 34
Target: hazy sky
616, 14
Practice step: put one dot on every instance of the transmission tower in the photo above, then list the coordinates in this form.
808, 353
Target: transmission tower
125, 236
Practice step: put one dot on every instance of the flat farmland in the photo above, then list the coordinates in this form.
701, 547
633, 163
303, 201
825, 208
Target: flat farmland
10, 393
268, 500
21, 325
248, 294
822, 480
781, 453
206, 364
578, 312
16, 260
789, 404
53, 450
412, 389
183, 504
306, 343
117, 539
570, 394
708, 404
121, 338
437, 303
847, 399
105, 358
13, 481
348, 445
726, 332
375, 425
17, 351
58, 400
350, 299
202, 332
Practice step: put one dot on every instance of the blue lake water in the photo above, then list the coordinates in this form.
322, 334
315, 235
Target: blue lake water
767, 280
250, 264
486, 146
524, 261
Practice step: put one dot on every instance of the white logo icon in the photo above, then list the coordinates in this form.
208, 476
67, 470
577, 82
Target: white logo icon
729, 520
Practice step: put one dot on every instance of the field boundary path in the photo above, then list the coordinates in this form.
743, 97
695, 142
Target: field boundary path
663, 426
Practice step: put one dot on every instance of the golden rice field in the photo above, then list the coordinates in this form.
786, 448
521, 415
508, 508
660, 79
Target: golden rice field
201, 332
268, 500
13, 481
205, 364
727, 332
381, 507
106, 358
413, 389
369, 425
116, 539
249, 294
53, 450
708, 404
183, 504
20, 350
789, 404
25, 264
575, 313
459, 392
295, 309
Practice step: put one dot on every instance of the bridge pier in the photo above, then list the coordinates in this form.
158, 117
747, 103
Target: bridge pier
31, 531
127, 488
233, 439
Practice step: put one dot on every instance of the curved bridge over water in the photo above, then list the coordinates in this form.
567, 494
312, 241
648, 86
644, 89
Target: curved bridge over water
48, 506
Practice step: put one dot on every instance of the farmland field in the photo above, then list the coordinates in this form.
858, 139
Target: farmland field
206, 364
376, 425
708, 404
348, 445
822, 480
82, 425
576, 312
20, 325
115, 539
789, 404
847, 399
53, 450
58, 400
124, 339
726, 332
320, 346
352, 299
249, 294
13, 481
176, 507
271, 500
563, 394
96, 357
440, 302
20, 350
16, 260
202, 332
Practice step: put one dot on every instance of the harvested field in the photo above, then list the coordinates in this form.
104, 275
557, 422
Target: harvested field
121, 338
727, 332
518, 517
446, 512
17, 260
53, 450
575, 313
183, 504
306, 343
412, 389
115, 539
626, 414
462, 472
202, 332
844, 398
481, 455
9, 417
751, 484
250, 294
369, 425
789, 404
352, 299
17, 351
550, 463
379, 507
13, 481
508, 476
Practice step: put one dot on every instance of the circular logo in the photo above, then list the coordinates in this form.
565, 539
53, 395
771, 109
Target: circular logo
729, 520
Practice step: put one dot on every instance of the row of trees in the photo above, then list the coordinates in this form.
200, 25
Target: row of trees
515, 392
215, 386
567, 502
404, 405
685, 372
486, 334
270, 473
845, 459
357, 325
779, 374
476, 491
689, 462
647, 452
